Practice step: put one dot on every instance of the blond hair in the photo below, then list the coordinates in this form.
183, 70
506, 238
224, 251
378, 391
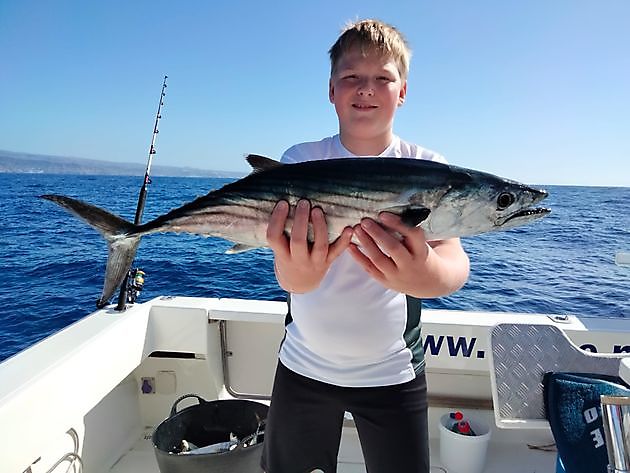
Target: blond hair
372, 36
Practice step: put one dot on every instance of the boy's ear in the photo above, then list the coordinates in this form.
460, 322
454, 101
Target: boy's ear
403, 94
331, 91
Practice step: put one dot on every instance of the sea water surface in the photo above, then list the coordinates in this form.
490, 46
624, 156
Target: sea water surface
52, 264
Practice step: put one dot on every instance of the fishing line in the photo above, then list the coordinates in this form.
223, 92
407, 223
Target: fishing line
134, 281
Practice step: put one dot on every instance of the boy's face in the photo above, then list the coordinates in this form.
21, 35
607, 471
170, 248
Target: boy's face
366, 91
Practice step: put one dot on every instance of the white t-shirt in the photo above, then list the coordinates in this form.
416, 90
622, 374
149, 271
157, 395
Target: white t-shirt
352, 331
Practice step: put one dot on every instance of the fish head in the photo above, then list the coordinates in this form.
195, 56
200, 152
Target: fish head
482, 202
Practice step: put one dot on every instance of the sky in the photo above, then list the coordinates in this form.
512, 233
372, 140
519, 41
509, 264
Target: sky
536, 90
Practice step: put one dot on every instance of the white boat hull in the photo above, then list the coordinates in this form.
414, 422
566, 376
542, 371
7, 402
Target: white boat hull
88, 379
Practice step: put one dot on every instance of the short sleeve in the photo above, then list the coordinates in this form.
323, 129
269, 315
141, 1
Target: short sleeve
290, 155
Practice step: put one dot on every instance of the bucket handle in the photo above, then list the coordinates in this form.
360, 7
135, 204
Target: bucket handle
185, 396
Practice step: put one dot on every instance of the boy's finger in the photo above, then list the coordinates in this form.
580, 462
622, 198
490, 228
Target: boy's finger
320, 234
299, 230
372, 250
390, 248
380, 234
275, 228
340, 244
366, 263
413, 236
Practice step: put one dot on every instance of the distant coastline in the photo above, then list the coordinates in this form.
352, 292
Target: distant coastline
29, 163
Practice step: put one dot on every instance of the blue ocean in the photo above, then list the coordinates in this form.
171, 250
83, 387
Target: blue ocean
52, 265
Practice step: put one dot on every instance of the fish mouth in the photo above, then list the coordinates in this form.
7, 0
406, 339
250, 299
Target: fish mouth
527, 214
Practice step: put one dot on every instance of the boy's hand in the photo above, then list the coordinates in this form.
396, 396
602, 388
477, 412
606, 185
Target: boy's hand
299, 265
411, 265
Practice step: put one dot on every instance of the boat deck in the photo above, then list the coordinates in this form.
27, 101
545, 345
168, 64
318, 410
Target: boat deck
221, 348
508, 447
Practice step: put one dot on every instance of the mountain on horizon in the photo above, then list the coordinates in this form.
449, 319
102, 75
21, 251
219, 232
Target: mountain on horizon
19, 162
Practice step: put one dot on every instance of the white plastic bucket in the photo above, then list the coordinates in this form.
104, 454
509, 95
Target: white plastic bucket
462, 453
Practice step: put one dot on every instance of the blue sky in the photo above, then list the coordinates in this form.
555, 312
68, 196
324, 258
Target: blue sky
538, 90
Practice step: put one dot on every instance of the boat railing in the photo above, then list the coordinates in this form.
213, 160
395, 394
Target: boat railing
616, 413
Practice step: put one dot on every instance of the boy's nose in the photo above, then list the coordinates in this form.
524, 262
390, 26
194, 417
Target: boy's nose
365, 90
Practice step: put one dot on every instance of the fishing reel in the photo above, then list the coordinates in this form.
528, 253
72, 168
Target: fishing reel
135, 284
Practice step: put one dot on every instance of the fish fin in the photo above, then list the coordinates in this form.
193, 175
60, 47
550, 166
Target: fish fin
414, 216
411, 216
239, 248
261, 163
108, 224
122, 246
121, 254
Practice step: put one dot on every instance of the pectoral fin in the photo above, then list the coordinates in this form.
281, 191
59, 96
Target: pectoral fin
414, 216
410, 216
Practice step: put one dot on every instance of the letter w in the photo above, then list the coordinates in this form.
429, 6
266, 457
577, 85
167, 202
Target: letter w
454, 348
431, 347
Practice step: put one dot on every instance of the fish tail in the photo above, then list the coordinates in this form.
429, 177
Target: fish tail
121, 236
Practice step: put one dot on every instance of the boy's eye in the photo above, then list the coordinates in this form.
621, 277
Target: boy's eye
384, 79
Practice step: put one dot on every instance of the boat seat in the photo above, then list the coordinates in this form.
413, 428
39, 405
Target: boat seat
520, 355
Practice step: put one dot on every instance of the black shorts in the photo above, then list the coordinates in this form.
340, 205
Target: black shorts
305, 419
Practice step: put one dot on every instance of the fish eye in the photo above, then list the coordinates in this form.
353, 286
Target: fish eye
504, 200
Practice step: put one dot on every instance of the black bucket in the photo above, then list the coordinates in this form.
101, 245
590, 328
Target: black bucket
236, 423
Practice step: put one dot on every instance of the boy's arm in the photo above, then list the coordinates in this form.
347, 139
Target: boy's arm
299, 265
412, 266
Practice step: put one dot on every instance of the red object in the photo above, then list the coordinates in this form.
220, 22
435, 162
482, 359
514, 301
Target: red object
463, 427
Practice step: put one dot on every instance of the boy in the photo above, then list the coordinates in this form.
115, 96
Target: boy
352, 338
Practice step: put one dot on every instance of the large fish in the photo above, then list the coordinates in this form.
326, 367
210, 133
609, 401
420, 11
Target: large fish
446, 201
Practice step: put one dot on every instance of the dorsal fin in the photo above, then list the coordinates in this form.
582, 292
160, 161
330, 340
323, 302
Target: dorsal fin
261, 163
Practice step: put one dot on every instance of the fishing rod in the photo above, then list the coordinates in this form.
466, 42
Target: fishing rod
130, 289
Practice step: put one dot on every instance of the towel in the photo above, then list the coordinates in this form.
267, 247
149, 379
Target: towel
573, 408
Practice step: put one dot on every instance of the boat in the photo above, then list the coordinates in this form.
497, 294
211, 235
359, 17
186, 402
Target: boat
89, 397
